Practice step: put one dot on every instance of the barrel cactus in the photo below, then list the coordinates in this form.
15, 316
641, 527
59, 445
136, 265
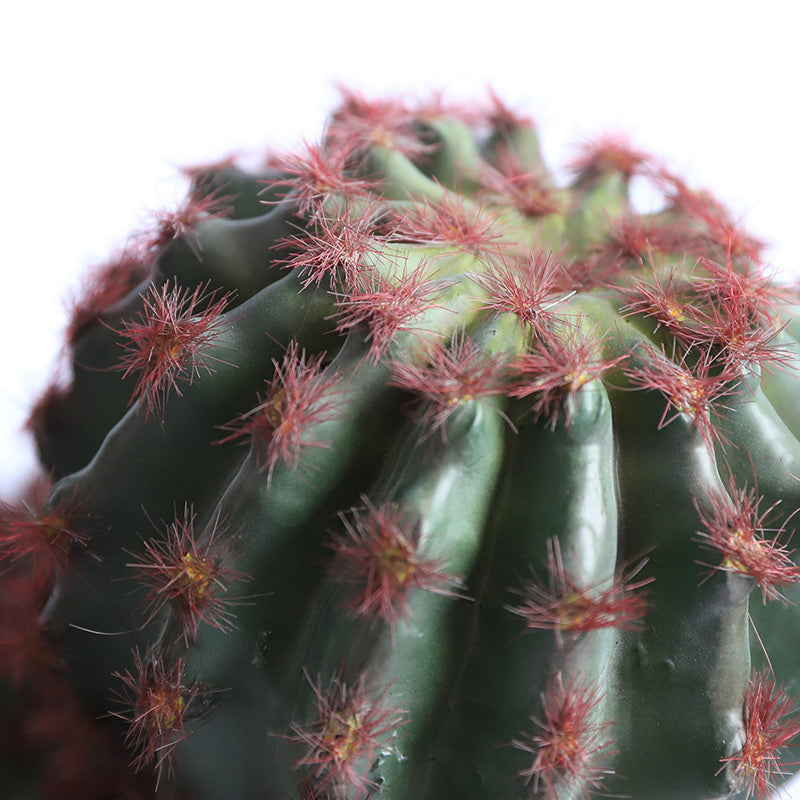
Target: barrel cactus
398, 468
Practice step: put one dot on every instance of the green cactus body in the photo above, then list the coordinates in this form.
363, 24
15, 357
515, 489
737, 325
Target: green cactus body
397, 470
563, 479
683, 631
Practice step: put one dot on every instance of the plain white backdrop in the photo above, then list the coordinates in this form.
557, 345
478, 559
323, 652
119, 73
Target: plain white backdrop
103, 102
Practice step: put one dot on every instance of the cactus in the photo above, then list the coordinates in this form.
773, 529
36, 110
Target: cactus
398, 469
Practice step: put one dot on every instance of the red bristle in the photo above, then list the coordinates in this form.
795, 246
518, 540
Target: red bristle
317, 173
46, 411
107, 285
182, 222
189, 571
300, 396
503, 118
628, 238
39, 536
530, 287
359, 124
554, 370
338, 251
771, 724
452, 223
450, 376
712, 220
352, 721
563, 605
637, 239
168, 342
308, 790
694, 389
157, 703
569, 744
729, 314
202, 171
669, 299
386, 306
750, 288
508, 182
730, 333
25, 652
612, 152
595, 271
739, 316
735, 529
75, 757
379, 553
527, 192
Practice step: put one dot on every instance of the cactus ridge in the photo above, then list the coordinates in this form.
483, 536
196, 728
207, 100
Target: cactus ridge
396, 469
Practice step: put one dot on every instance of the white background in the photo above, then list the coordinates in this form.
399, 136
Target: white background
103, 102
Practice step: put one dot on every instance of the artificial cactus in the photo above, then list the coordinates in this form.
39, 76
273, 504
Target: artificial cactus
513, 513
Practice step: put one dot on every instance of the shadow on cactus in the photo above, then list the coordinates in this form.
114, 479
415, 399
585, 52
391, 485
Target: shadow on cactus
396, 469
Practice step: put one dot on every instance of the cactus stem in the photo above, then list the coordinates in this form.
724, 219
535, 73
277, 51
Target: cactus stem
420, 608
